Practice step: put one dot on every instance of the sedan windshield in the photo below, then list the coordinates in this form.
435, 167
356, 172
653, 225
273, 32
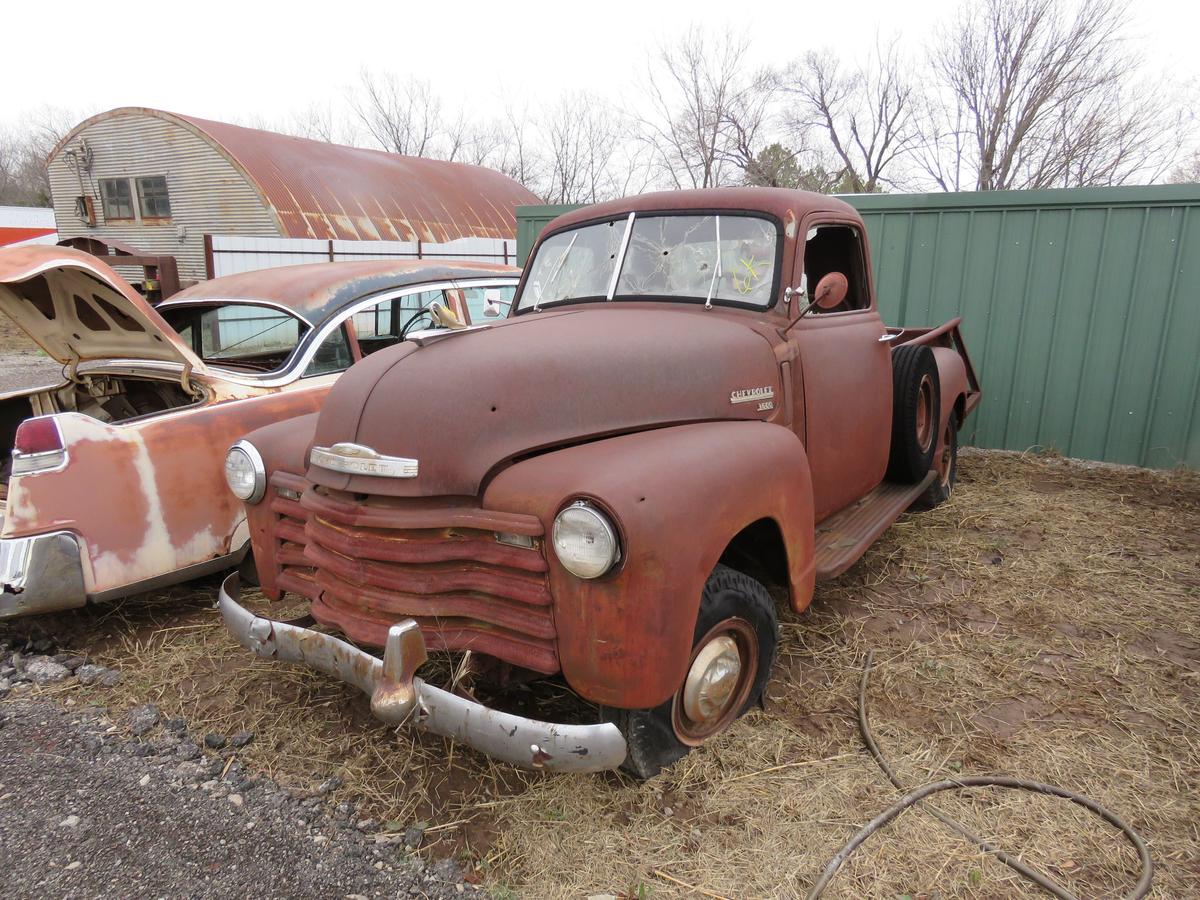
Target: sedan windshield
707, 258
244, 335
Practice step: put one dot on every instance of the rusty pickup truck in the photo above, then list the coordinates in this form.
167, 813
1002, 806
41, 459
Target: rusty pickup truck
692, 398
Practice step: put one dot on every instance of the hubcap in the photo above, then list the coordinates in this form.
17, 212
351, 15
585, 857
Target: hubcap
718, 683
711, 680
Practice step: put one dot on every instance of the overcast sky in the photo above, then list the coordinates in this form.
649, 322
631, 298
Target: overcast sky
247, 60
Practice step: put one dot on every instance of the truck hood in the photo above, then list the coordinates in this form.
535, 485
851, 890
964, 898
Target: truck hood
467, 402
77, 308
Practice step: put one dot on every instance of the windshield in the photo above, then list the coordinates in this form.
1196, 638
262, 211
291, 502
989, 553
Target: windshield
244, 335
718, 258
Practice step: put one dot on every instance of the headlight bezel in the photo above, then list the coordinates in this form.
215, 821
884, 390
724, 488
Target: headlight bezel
606, 525
259, 469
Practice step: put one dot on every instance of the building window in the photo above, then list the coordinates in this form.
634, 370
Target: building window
152, 195
117, 198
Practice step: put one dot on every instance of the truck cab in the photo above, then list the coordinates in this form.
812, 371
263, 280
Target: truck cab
691, 398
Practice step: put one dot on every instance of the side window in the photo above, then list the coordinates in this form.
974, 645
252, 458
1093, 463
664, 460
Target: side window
480, 299
332, 356
380, 325
116, 198
837, 248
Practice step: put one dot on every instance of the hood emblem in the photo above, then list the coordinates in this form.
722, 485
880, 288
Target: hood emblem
355, 459
752, 395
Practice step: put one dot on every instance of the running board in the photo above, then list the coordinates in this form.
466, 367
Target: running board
846, 535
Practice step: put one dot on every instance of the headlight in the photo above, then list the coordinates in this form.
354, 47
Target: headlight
245, 473
585, 541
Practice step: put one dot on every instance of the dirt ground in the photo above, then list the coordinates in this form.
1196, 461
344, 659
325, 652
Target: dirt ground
1043, 624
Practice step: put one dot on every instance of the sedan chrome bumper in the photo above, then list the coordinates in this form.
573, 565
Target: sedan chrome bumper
40, 574
397, 696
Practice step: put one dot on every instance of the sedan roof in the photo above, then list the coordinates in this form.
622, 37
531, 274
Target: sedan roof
318, 290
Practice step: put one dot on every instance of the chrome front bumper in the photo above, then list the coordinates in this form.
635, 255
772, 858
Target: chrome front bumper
398, 696
40, 574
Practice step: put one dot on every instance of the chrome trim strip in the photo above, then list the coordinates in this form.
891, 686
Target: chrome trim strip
355, 459
398, 697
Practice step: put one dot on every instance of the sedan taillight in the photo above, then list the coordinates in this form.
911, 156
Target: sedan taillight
38, 446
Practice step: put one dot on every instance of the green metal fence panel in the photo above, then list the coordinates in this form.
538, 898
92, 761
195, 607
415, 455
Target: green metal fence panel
530, 222
1081, 309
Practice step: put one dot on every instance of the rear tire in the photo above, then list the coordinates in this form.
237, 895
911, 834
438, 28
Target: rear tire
735, 611
248, 571
916, 396
939, 492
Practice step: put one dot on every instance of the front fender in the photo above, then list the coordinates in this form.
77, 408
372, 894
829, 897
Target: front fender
678, 496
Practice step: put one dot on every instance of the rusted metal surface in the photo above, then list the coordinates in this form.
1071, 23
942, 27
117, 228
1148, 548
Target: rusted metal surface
161, 272
691, 429
399, 697
321, 190
315, 189
145, 500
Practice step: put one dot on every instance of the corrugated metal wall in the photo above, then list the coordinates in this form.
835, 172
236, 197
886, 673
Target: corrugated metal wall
206, 192
1081, 309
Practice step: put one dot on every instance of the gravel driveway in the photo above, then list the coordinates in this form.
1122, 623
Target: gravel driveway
88, 811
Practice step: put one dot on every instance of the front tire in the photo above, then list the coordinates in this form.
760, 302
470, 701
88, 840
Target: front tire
733, 650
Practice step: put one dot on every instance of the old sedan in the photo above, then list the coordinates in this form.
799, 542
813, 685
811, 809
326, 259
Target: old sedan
115, 480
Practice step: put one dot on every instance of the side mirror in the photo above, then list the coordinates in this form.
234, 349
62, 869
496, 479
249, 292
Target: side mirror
831, 291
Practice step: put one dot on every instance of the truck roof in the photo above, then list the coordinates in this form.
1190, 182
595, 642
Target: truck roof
785, 204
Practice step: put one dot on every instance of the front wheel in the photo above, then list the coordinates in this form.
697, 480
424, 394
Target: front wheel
733, 649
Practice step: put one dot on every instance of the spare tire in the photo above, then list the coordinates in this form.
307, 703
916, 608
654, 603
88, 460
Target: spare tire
916, 410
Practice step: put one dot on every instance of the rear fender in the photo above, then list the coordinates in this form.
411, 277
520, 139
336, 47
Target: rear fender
678, 496
952, 379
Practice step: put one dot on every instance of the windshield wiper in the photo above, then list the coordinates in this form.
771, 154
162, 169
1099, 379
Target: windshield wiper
712, 285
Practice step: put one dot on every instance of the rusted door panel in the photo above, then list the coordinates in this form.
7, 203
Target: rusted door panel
847, 384
150, 497
625, 638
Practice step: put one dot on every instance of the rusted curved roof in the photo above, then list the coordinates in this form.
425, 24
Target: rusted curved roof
320, 190
318, 290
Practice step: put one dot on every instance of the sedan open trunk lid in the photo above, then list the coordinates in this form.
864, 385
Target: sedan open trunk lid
77, 308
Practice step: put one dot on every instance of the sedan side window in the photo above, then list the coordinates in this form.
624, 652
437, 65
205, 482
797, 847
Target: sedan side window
379, 326
332, 356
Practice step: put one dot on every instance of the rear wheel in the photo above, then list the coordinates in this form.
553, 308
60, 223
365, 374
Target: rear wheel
915, 413
947, 467
733, 649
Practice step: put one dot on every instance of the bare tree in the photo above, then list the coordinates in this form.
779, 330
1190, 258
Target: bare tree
400, 115
514, 152
707, 110
1188, 171
320, 122
24, 152
867, 115
1038, 94
581, 134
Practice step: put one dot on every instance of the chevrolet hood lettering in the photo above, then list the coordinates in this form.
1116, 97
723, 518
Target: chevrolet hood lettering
750, 395
355, 459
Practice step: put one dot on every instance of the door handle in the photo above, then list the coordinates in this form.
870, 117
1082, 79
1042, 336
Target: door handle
888, 337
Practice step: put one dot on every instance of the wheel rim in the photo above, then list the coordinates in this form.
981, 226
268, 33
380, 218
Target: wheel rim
925, 413
720, 675
946, 460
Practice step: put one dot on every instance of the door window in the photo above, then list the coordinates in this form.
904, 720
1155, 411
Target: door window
837, 248
379, 326
480, 299
332, 356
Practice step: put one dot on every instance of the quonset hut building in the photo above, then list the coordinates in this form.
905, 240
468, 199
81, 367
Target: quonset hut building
159, 182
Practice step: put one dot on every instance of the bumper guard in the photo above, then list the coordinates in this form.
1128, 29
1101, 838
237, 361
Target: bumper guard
398, 696
40, 574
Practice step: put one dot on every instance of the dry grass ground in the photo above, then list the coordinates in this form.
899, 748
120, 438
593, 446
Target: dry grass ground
1043, 624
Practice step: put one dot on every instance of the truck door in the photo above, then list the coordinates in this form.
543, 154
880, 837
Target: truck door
845, 373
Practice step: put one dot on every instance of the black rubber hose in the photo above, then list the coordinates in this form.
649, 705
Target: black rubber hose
1141, 889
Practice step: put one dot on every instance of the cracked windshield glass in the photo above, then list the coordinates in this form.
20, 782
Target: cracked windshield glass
725, 258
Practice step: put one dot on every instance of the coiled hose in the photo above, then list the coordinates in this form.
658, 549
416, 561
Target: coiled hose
915, 796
